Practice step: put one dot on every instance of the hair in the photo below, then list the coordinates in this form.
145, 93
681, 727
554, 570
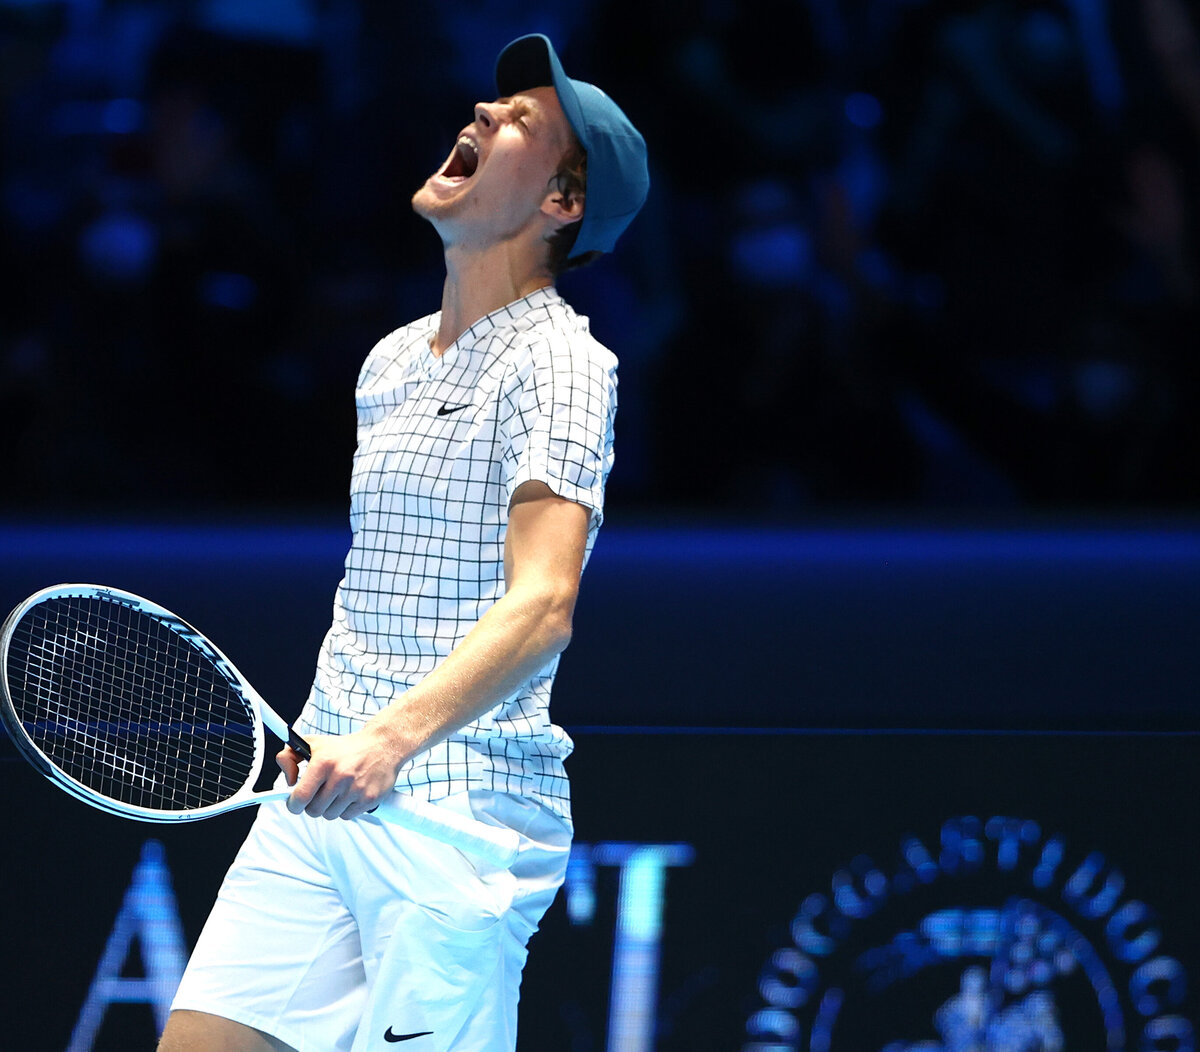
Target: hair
571, 181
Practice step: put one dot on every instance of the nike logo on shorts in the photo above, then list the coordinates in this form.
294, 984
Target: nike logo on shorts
391, 1038
444, 410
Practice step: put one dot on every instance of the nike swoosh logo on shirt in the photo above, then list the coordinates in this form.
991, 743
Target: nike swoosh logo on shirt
391, 1038
452, 408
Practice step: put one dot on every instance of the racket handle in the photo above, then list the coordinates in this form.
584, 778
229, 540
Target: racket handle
496, 844
298, 745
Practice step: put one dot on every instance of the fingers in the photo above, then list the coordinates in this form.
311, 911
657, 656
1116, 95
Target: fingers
318, 795
302, 796
330, 806
289, 764
345, 777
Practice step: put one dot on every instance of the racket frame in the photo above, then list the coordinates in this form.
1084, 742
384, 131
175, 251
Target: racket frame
257, 709
496, 844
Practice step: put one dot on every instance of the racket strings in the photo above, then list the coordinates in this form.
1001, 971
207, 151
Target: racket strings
127, 705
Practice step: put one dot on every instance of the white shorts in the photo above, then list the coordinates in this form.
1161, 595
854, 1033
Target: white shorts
353, 936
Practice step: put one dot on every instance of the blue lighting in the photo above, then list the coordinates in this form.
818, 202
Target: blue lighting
634, 547
863, 110
228, 290
123, 116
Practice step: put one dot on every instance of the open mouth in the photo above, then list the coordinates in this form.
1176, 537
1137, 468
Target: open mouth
463, 161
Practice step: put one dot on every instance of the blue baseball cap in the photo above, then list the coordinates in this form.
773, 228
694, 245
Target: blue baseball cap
618, 178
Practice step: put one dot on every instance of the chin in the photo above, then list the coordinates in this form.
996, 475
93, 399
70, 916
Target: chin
429, 203
422, 201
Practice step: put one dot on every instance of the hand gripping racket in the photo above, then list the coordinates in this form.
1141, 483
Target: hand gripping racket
130, 709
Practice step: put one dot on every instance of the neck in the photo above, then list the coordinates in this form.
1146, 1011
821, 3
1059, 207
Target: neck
479, 282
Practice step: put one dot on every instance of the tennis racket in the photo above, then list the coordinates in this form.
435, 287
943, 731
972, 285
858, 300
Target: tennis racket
130, 709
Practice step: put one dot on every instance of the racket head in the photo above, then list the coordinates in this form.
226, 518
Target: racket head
126, 706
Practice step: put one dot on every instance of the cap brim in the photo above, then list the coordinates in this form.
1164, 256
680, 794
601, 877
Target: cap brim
532, 62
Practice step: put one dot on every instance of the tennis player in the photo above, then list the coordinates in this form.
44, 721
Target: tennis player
485, 438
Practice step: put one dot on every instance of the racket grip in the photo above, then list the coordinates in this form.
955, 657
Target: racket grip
298, 745
495, 844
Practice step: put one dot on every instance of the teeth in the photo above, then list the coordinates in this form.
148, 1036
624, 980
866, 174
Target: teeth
463, 159
466, 158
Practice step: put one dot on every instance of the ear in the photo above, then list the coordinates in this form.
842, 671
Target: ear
561, 208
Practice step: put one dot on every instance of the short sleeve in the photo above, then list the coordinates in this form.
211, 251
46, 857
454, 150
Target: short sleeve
560, 431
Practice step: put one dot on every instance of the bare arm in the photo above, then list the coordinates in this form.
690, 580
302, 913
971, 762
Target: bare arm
517, 636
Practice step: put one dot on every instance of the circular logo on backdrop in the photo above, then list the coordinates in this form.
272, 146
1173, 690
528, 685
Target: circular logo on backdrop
991, 938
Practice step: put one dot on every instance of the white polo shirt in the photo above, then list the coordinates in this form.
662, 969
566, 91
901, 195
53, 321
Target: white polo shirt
443, 443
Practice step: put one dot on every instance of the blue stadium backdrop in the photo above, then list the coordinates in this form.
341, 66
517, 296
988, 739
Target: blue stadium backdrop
853, 791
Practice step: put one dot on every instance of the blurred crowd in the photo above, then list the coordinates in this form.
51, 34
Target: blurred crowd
909, 254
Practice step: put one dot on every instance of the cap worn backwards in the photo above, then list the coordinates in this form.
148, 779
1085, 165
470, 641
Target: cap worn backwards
618, 178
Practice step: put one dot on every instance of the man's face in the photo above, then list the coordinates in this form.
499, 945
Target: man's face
500, 171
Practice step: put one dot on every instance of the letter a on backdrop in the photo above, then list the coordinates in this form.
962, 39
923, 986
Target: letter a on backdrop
149, 914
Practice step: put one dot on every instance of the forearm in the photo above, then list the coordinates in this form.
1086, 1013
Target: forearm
518, 636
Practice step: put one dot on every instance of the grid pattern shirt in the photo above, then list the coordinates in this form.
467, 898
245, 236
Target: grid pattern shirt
443, 443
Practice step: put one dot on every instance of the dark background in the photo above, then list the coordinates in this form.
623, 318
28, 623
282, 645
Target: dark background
903, 521
763, 842
899, 254
783, 702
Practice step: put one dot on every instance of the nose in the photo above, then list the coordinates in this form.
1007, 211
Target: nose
487, 115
